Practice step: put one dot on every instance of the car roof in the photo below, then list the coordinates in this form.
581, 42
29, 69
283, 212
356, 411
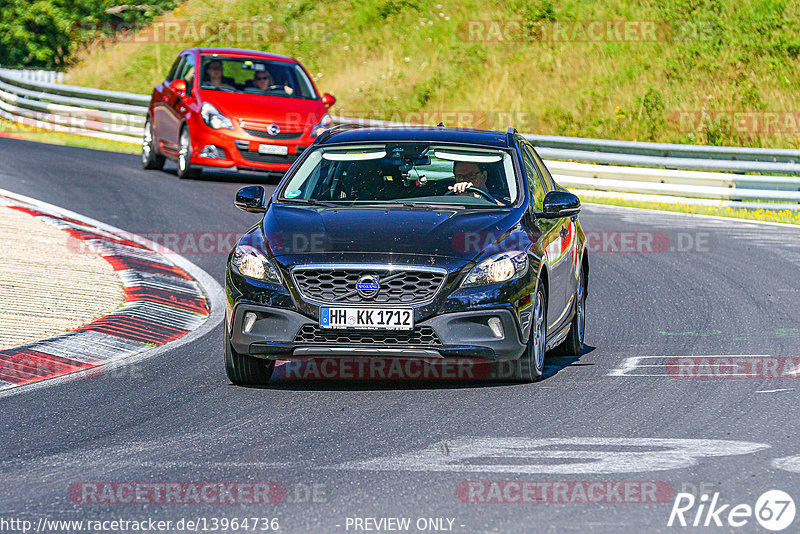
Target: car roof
241, 52
435, 134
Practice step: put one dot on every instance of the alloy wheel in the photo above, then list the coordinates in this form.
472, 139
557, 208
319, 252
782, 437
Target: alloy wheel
147, 142
183, 154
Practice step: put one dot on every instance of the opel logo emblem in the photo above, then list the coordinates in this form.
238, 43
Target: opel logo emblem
368, 286
273, 129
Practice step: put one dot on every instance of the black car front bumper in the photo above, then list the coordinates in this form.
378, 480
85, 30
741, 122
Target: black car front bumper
284, 334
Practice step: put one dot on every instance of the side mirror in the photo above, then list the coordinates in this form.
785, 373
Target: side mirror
560, 204
328, 100
178, 86
251, 199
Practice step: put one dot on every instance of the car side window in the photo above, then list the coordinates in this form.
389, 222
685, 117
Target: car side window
187, 72
534, 181
173, 71
547, 178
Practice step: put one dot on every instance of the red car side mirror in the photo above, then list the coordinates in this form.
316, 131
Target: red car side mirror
179, 86
328, 100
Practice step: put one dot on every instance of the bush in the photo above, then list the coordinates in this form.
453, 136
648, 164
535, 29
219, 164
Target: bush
44, 33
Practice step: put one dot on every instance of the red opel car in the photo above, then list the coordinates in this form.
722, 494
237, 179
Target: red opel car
233, 109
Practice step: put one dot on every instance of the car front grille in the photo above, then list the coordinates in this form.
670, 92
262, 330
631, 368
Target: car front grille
267, 135
253, 155
337, 285
419, 336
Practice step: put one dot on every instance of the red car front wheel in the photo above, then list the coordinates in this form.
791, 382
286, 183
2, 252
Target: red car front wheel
185, 169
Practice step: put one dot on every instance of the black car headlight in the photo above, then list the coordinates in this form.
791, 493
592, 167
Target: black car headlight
324, 123
498, 268
213, 118
252, 264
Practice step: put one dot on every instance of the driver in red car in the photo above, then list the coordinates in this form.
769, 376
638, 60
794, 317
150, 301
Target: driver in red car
262, 80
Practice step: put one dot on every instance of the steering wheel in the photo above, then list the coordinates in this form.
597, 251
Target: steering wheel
481, 192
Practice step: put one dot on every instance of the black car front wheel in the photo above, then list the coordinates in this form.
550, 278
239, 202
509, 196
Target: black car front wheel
530, 366
245, 370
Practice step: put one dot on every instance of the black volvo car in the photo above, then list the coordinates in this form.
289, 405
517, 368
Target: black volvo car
432, 243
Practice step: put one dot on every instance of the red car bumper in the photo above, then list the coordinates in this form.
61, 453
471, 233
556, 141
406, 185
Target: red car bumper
241, 149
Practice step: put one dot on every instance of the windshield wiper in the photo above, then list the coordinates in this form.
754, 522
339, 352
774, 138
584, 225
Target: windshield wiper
315, 202
431, 206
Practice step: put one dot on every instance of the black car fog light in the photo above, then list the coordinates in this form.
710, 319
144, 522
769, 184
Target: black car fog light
496, 326
248, 322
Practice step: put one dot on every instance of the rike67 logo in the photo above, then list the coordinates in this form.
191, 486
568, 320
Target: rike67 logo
774, 510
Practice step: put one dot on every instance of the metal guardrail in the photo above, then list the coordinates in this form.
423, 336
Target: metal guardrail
625, 167
33, 75
109, 115
667, 150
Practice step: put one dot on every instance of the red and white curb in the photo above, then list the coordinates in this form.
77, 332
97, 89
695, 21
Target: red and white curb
168, 302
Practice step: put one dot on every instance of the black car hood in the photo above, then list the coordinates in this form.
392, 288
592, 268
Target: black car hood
463, 234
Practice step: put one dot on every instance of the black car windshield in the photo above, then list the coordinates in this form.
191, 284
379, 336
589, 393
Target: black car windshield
257, 77
405, 172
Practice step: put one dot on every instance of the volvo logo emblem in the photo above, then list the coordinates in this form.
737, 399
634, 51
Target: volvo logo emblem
273, 129
367, 286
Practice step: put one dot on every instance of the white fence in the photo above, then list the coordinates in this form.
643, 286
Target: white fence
625, 170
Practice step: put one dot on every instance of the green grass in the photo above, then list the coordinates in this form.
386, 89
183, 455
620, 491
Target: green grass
784, 216
10, 129
390, 58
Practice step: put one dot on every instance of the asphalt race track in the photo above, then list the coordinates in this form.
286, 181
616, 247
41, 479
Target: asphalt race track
662, 286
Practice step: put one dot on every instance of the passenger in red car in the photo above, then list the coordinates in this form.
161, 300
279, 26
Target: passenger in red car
214, 75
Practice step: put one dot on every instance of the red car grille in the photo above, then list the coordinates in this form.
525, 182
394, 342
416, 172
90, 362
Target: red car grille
267, 135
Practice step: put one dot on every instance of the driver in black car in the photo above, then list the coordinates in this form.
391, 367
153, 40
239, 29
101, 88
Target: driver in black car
469, 174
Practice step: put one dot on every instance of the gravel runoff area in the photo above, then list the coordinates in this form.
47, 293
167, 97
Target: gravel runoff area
49, 283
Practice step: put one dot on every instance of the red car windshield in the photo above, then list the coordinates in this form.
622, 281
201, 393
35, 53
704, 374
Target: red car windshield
255, 76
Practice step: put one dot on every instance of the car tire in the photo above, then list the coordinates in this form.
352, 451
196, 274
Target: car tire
185, 169
150, 159
573, 344
245, 370
530, 366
